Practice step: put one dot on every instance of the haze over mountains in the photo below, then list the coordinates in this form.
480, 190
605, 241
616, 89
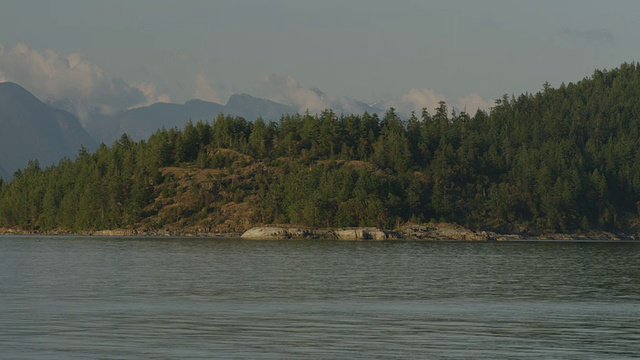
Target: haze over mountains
140, 123
32, 129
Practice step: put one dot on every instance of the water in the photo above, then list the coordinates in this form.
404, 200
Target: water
110, 298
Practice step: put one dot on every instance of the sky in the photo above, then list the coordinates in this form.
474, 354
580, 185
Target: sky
410, 53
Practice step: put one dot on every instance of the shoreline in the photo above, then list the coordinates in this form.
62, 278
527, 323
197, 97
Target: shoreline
120, 233
411, 232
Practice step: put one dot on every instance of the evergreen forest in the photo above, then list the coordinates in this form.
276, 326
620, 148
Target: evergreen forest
565, 159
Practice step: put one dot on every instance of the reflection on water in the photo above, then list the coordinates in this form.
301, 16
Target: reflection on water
79, 298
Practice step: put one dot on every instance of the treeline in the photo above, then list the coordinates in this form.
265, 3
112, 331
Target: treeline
564, 159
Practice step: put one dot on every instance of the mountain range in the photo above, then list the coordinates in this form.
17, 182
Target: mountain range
32, 129
140, 123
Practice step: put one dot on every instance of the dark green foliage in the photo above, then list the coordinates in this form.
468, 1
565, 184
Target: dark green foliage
565, 159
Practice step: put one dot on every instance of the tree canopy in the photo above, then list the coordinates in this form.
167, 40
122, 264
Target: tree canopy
564, 159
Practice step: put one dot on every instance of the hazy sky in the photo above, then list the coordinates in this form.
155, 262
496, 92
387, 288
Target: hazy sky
413, 51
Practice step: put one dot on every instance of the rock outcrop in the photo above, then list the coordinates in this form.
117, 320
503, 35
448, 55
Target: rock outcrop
446, 232
451, 232
275, 233
425, 232
411, 232
365, 234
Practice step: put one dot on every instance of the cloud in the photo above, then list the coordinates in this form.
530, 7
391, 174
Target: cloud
286, 90
416, 100
423, 98
151, 93
205, 91
73, 80
472, 103
589, 35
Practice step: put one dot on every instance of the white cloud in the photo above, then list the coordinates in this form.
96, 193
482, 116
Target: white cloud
73, 79
472, 103
84, 87
206, 91
416, 100
151, 93
286, 90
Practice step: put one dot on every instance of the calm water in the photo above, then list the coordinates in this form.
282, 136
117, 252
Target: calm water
88, 298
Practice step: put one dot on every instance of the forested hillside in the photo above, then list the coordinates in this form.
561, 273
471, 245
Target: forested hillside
565, 159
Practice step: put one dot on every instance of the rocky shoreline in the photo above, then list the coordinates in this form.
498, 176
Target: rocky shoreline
124, 233
417, 232
410, 232
276, 233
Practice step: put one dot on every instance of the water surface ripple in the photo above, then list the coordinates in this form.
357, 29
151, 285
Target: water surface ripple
111, 298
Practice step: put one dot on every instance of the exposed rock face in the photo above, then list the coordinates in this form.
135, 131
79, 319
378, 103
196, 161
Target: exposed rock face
446, 232
419, 232
451, 232
365, 234
117, 232
426, 232
275, 233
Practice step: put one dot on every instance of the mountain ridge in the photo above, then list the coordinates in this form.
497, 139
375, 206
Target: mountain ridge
32, 130
58, 133
139, 123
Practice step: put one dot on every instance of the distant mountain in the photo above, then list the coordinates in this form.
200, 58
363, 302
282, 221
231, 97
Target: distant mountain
141, 122
341, 105
251, 108
362, 107
345, 105
32, 130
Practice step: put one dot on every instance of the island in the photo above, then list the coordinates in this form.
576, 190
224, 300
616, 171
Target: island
559, 164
